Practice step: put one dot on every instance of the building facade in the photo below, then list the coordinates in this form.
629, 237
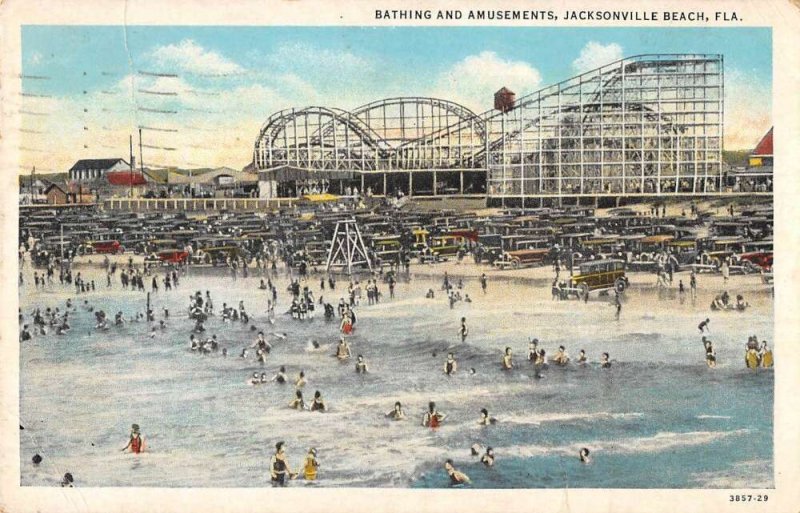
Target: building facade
88, 170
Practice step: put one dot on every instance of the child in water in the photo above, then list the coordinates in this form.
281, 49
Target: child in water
310, 465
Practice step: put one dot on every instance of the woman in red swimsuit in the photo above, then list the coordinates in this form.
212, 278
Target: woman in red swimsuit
136, 442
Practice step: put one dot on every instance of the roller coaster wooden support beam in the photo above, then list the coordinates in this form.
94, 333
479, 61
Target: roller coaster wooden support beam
347, 248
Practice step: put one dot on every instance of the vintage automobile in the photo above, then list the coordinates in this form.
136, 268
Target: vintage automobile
522, 258
218, 255
488, 249
102, 247
598, 275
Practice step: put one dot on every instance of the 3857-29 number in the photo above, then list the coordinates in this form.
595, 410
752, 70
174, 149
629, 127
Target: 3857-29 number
748, 498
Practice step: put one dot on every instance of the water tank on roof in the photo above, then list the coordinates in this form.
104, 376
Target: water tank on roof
504, 99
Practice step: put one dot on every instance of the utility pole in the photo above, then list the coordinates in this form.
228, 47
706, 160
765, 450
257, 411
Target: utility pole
130, 164
141, 158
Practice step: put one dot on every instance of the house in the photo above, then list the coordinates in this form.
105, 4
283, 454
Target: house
56, 195
86, 170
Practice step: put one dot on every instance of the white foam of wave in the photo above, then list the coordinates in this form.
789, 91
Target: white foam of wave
540, 418
659, 442
712, 417
419, 400
746, 474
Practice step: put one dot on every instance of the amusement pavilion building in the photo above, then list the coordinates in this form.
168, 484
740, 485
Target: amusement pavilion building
642, 126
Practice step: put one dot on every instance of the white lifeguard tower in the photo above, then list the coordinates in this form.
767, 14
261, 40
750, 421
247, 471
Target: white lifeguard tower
347, 248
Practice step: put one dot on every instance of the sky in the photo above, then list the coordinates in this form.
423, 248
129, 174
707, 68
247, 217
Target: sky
201, 94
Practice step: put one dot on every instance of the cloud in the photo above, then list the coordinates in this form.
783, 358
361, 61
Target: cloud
324, 59
594, 55
748, 109
474, 80
188, 56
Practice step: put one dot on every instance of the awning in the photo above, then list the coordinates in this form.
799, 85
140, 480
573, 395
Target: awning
320, 198
292, 173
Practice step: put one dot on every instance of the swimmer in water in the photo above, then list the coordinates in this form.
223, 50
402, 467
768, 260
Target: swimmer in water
318, 404
343, 349
456, 477
263, 378
476, 449
561, 357
584, 455
508, 364
136, 441
67, 481
311, 465
254, 380
298, 403
301, 380
463, 330
432, 418
450, 365
278, 466
361, 365
711, 355
582, 357
397, 412
280, 377
486, 420
604, 361
488, 458
533, 349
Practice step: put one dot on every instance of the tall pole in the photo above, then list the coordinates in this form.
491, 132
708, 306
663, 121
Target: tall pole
141, 158
62, 244
130, 165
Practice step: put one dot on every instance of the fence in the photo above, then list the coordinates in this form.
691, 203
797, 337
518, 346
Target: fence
196, 204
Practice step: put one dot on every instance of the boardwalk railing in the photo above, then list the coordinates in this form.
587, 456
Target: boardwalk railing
196, 204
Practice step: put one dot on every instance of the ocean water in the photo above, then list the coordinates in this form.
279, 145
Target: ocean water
658, 418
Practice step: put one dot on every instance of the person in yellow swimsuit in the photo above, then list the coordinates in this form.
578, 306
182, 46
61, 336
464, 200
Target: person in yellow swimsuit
311, 465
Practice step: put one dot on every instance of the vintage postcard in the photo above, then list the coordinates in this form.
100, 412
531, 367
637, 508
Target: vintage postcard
390, 256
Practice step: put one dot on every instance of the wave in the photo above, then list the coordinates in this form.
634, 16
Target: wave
540, 418
745, 474
701, 417
663, 441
